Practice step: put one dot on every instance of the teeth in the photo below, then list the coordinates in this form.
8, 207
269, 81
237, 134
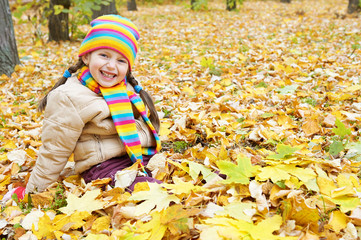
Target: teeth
108, 75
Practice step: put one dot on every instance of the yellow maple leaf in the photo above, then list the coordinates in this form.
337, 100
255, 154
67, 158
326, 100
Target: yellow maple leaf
326, 185
88, 202
5, 181
275, 173
100, 224
154, 226
46, 228
164, 128
345, 186
238, 210
189, 91
9, 145
181, 187
338, 221
3, 157
306, 216
64, 222
343, 196
174, 218
156, 198
237, 229
352, 88
347, 203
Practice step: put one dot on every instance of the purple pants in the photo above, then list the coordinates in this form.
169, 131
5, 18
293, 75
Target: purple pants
109, 168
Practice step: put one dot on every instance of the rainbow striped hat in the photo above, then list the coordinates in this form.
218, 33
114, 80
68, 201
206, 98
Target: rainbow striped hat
112, 32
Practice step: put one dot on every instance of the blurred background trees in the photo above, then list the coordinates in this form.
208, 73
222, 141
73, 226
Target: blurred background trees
9, 57
354, 6
59, 23
64, 16
131, 5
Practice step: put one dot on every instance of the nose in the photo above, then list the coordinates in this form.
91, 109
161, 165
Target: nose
111, 63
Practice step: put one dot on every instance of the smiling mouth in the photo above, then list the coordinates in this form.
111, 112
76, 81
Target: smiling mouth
108, 75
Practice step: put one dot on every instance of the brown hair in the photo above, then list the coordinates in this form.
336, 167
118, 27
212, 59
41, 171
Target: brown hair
147, 99
61, 81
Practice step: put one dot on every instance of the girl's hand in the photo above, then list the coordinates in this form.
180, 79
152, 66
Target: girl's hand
19, 191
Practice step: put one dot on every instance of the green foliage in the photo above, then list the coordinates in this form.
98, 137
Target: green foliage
149, 2
243, 48
237, 173
200, 5
340, 140
281, 184
356, 45
341, 129
180, 146
17, 225
209, 63
167, 113
38, 11
80, 13
240, 120
311, 101
354, 151
336, 147
267, 115
262, 84
284, 151
25, 207
59, 200
231, 4
288, 89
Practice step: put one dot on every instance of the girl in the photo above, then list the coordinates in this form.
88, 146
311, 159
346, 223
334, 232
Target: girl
95, 114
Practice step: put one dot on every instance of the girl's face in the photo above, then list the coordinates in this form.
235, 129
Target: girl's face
107, 66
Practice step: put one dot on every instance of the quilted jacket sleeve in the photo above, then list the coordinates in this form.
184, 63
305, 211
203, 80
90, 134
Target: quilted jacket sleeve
61, 129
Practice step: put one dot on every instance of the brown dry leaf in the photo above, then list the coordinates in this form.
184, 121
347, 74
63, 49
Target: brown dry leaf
311, 127
42, 200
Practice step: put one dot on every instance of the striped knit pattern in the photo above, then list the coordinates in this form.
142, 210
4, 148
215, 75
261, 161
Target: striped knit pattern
119, 102
138, 103
112, 32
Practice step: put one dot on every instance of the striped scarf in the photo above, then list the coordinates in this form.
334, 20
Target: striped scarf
119, 102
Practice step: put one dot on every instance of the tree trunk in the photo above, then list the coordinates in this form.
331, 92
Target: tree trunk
285, 1
58, 25
193, 4
9, 57
105, 9
353, 6
231, 5
131, 5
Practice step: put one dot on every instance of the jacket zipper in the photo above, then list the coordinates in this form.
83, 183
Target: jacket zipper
99, 146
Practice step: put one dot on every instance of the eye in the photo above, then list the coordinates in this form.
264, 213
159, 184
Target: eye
122, 61
103, 55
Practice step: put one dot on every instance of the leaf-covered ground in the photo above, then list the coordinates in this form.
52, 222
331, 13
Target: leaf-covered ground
260, 111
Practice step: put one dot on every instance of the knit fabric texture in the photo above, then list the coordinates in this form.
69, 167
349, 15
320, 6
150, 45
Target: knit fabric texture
119, 101
112, 32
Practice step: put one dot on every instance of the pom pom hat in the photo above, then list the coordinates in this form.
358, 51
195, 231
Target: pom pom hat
112, 32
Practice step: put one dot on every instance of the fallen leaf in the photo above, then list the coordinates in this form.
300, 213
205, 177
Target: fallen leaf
88, 200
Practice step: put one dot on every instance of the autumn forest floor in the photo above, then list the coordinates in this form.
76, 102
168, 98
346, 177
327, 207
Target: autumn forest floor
268, 95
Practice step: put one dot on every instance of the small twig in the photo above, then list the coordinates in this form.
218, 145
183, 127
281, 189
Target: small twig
352, 52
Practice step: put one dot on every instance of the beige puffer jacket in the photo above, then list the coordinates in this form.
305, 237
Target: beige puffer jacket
77, 120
